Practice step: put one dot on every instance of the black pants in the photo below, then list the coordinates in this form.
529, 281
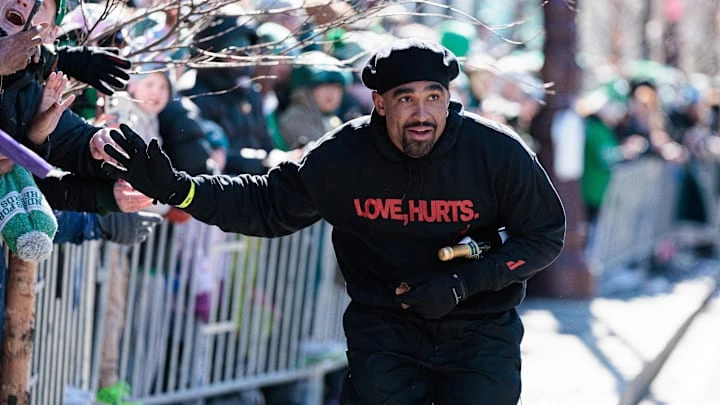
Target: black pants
398, 358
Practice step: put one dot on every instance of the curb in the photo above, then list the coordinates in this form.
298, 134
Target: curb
638, 387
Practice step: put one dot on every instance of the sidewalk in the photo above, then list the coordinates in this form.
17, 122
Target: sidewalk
606, 350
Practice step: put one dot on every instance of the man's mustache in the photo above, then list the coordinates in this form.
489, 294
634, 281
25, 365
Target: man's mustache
420, 124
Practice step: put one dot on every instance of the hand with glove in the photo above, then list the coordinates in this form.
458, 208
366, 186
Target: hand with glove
434, 296
147, 168
128, 228
102, 68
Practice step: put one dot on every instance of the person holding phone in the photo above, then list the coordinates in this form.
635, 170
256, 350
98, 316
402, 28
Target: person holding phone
31, 110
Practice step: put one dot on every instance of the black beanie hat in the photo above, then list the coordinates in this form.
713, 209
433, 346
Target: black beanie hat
409, 60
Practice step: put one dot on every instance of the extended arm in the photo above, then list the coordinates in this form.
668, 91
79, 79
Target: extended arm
270, 205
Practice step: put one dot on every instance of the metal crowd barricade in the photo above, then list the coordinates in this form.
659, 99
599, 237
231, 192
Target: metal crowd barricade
691, 233
636, 213
211, 313
65, 335
272, 314
639, 210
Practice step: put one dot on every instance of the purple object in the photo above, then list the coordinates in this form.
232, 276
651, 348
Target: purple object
23, 156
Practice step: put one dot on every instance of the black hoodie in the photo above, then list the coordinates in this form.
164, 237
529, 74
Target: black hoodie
391, 213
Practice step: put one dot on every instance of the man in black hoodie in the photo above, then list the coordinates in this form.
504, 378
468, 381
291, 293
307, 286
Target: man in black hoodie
416, 175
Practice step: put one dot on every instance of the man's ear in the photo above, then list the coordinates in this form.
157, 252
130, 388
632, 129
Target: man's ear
379, 103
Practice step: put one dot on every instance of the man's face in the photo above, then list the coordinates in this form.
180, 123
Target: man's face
416, 114
14, 14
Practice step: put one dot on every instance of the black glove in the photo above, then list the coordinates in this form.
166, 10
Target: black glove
436, 296
146, 167
128, 228
98, 67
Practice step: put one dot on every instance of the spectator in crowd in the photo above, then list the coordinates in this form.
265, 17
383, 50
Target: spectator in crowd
646, 122
228, 96
353, 48
274, 77
481, 72
602, 149
147, 95
197, 144
32, 112
17, 49
318, 83
689, 123
95, 62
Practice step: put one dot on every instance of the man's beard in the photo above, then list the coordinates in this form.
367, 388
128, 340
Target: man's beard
418, 149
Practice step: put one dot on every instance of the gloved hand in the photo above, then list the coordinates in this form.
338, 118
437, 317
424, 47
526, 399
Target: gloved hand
98, 67
146, 167
128, 228
435, 296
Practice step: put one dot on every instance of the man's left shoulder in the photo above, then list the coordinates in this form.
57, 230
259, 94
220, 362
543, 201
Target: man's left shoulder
345, 133
487, 130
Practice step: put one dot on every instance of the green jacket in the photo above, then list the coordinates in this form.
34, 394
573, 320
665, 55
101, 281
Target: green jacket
601, 153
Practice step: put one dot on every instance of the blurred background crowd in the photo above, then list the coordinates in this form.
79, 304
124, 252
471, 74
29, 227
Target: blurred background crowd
236, 87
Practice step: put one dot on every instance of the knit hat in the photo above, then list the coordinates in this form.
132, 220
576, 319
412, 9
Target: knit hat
315, 67
409, 60
27, 223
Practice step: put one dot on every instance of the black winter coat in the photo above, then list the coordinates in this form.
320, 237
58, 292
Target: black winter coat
183, 138
391, 213
238, 110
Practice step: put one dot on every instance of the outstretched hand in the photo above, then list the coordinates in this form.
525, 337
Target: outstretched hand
102, 68
146, 167
128, 199
51, 108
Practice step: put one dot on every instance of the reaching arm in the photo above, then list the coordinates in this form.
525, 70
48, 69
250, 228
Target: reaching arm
270, 205
71, 193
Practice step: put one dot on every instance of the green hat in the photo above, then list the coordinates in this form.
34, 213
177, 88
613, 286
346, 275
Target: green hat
61, 10
457, 36
27, 223
316, 67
